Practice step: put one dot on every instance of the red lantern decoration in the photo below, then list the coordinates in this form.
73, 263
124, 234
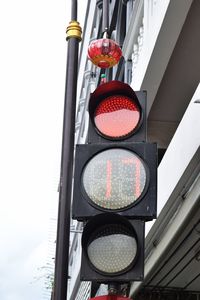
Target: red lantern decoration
104, 53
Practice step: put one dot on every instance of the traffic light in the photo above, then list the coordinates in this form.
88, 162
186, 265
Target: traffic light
117, 113
115, 185
115, 172
112, 249
117, 177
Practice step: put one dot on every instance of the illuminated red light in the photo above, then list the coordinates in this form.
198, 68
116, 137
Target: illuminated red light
117, 116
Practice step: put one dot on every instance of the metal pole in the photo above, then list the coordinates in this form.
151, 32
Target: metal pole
66, 174
105, 17
74, 10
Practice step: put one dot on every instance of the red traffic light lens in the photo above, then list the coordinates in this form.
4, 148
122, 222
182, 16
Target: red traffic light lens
114, 179
117, 116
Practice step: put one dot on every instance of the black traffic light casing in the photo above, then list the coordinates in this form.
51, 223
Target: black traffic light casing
130, 108
134, 272
144, 208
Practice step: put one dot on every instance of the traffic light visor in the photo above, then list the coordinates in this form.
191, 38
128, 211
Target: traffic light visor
115, 110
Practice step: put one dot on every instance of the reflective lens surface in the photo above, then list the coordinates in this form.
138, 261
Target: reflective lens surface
114, 179
113, 250
117, 116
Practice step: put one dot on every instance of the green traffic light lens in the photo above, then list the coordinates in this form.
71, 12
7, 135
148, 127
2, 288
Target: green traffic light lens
112, 249
114, 179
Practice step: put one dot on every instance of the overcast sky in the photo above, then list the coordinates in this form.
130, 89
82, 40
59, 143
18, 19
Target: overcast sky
32, 81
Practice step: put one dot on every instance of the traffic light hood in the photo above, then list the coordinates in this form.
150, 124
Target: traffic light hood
110, 88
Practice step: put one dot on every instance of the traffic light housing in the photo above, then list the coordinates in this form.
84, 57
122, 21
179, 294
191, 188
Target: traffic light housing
112, 249
117, 113
117, 177
115, 185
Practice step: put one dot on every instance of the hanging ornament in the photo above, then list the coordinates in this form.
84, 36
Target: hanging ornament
104, 53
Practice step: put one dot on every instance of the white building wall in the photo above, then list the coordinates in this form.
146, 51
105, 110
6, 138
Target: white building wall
154, 28
181, 150
84, 291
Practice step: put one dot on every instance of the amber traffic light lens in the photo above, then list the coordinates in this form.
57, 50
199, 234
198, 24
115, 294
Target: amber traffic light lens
117, 116
112, 249
114, 179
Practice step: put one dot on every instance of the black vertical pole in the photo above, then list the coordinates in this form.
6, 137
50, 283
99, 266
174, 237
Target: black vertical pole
105, 17
66, 174
74, 10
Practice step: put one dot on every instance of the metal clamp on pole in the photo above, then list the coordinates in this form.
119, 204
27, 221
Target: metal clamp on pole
74, 30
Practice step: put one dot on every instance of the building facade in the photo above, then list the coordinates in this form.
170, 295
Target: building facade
161, 46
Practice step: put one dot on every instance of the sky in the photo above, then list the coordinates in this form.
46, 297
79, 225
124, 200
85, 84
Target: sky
33, 53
